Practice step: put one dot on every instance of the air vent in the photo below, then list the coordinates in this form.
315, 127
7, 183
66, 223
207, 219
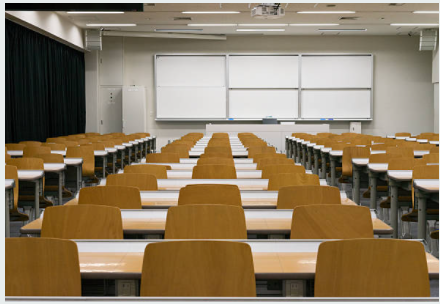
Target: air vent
331, 5
396, 4
349, 18
149, 4
182, 18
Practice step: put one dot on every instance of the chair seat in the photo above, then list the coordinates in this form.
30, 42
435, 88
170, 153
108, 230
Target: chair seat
404, 201
432, 214
17, 216
28, 200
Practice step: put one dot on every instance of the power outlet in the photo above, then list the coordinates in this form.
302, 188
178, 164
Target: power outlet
294, 288
126, 288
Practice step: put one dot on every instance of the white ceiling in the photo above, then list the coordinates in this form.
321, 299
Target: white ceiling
375, 17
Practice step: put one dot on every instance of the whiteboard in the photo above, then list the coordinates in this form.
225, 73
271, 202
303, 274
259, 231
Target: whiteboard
263, 71
191, 102
335, 104
195, 71
262, 103
336, 71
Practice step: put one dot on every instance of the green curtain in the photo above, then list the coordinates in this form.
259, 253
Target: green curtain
45, 86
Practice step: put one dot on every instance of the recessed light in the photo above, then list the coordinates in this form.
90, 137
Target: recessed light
260, 30
73, 12
342, 30
425, 12
414, 24
212, 24
326, 12
314, 24
178, 30
111, 24
273, 24
212, 12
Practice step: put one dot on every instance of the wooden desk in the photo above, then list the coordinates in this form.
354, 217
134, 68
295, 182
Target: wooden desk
243, 184
250, 199
260, 222
236, 160
424, 189
9, 203
190, 166
36, 177
234, 153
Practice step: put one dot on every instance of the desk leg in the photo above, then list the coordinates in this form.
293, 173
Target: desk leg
333, 171
394, 202
304, 157
421, 224
8, 195
129, 155
37, 200
60, 188
323, 166
135, 153
122, 159
104, 163
373, 191
78, 178
309, 159
356, 185
316, 166
114, 162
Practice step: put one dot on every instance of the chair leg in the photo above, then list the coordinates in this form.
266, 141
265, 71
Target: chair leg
430, 226
406, 226
29, 212
385, 215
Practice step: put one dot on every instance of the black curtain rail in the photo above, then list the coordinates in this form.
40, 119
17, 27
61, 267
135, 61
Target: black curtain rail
45, 86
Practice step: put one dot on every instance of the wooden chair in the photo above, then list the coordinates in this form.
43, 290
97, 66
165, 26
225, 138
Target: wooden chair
14, 213
88, 156
82, 222
31, 151
277, 181
205, 222
117, 196
15, 147
56, 140
220, 135
38, 267
331, 222
274, 161
212, 194
294, 196
142, 181
214, 172
227, 150
269, 170
252, 151
348, 154
55, 146
403, 134
31, 143
257, 157
51, 179
159, 171
431, 158
347, 269
216, 155
401, 151
180, 150
7, 156
216, 161
434, 150
198, 269
70, 144
163, 158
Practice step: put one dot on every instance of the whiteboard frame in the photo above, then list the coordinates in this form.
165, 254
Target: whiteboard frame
267, 54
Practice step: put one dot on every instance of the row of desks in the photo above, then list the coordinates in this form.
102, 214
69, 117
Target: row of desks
276, 223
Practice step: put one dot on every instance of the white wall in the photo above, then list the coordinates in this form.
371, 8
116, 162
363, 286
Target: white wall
50, 24
403, 91
435, 64
92, 90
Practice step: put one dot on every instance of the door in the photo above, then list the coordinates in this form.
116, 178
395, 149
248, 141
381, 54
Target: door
111, 109
134, 109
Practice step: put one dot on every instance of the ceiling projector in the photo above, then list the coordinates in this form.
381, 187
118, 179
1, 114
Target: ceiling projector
268, 11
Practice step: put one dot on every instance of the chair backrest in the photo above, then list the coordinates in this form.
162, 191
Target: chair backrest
403, 134
425, 172
268, 170
402, 151
212, 194
84, 141
220, 135
88, 156
117, 196
331, 222
181, 150
96, 146
431, 158
27, 163
277, 181
11, 173
205, 222
252, 151
56, 140
216, 155
257, 157
55, 146
380, 158
263, 162
82, 222
15, 147
214, 172
198, 269
159, 171
31, 143
434, 150
219, 143
216, 161
41, 267
51, 158
294, 196
346, 269
404, 163
348, 154
218, 150
32, 151
142, 181
163, 158
70, 144
108, 143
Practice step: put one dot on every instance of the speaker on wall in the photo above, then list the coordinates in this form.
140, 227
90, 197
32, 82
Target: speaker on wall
93, 40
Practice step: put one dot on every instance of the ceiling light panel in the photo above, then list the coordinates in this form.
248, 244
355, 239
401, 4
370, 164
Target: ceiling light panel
260, 30
212, 12
425, 12
314, 24
110, 24
267, 24
414, 24
326, 12
95, 12
212, 24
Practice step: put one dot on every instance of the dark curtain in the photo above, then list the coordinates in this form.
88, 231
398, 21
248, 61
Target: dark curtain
45, 87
